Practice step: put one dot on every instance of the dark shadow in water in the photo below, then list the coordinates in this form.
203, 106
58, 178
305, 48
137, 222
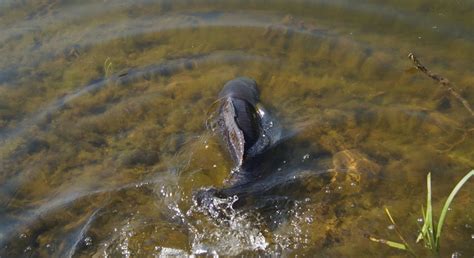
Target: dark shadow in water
272, 183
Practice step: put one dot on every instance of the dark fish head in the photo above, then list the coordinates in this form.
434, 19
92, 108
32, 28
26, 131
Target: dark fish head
241, 88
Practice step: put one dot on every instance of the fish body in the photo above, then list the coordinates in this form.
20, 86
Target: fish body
244, 125
247, 130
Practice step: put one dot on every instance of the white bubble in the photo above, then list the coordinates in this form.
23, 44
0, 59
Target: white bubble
88, 241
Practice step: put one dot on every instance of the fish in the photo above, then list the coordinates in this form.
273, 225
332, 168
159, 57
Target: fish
247, 130
245, 126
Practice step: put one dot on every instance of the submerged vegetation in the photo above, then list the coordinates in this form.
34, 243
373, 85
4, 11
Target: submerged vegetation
108, 68
430, 232
102, 124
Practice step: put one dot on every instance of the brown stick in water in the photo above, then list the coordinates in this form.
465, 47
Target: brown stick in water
441, 80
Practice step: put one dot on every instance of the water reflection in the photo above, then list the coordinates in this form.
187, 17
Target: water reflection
104, 145
127, 77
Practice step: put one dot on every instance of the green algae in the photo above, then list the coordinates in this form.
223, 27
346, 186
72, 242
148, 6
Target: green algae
347, 91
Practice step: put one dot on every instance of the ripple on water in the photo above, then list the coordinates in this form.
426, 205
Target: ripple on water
97, 97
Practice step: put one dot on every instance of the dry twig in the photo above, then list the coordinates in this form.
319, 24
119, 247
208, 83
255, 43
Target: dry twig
441, 80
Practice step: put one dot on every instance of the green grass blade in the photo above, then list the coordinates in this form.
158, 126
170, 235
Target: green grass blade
389, 243
427, 231
405, 243
448, 203
389, 216
423, 229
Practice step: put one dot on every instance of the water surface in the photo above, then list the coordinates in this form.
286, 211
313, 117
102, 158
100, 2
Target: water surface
103, 107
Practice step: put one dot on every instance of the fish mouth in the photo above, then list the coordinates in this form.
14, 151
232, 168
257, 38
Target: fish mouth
246, 128
239, 123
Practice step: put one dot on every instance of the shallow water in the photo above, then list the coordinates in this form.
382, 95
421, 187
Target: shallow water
103, 107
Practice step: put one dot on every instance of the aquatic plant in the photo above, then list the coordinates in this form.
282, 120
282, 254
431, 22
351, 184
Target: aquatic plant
402, 246
108, 67
430, 232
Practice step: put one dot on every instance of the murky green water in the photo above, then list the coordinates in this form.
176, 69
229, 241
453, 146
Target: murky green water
103, 140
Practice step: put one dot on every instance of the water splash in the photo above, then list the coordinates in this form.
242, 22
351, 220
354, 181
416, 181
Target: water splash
225, 231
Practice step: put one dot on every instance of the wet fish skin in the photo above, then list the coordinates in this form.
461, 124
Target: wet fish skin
238, 120
241, 88
248, 132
